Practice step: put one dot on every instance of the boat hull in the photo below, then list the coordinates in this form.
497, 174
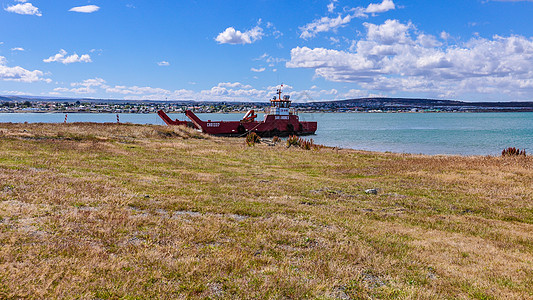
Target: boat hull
273, 125
169, 121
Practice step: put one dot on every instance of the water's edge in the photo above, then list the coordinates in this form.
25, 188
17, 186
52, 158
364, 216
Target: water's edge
432, 133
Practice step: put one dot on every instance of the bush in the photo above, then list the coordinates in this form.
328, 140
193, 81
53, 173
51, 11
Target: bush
293, 140
296, 141
252, 138
307, 145
512, 151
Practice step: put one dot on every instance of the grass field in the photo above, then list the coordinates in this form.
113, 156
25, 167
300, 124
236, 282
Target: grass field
113, 211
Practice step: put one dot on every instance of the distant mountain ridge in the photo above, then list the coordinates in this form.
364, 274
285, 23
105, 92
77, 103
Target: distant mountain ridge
423, 103
365, 103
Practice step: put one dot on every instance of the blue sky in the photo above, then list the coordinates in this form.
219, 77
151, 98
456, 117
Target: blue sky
473, 50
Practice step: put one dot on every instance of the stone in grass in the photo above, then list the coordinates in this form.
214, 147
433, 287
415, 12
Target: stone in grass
372, 191
216, 289
339, 292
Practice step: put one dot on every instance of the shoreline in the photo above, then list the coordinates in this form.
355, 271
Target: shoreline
332, 147
244, 111
433, 134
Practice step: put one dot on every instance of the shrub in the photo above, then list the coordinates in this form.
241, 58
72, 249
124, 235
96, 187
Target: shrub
293, 140
302, 143
252, 138
276, 140
305, 144
512, 151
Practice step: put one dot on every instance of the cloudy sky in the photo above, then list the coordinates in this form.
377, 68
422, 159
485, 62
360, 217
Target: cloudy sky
473, 50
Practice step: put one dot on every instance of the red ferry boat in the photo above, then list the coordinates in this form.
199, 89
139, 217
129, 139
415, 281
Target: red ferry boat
280, 120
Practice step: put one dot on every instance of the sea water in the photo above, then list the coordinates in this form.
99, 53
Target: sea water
427, 133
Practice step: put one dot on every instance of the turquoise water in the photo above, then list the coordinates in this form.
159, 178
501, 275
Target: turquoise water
430, 133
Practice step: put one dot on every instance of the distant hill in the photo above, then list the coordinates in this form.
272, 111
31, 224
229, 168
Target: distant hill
404, 103
348, 104
85, 100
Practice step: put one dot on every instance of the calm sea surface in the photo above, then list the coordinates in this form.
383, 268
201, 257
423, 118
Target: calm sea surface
428, 133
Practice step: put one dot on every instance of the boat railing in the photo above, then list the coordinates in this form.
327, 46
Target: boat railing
292, 111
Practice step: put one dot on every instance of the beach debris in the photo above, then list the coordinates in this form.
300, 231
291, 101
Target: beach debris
372, 191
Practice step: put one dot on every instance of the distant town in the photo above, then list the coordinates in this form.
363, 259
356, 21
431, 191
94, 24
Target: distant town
16, 104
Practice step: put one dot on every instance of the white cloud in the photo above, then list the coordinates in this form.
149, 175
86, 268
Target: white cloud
331, 6
62, 58
17, 49
391, 32
428, 41
224, 91
311, 94
272, 61
384, 6
94, 82
327, 24
99, 85
17, 93
85, 9
257, 70
18, 73
324, 24
234, 85
241, 94
394, 57
163, 63
232, 36
334, 40
355, 93
80, 90
88, 86
24, 9
136, 90
263, 56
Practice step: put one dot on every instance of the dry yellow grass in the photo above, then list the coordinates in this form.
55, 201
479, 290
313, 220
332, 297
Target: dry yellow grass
133, 212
